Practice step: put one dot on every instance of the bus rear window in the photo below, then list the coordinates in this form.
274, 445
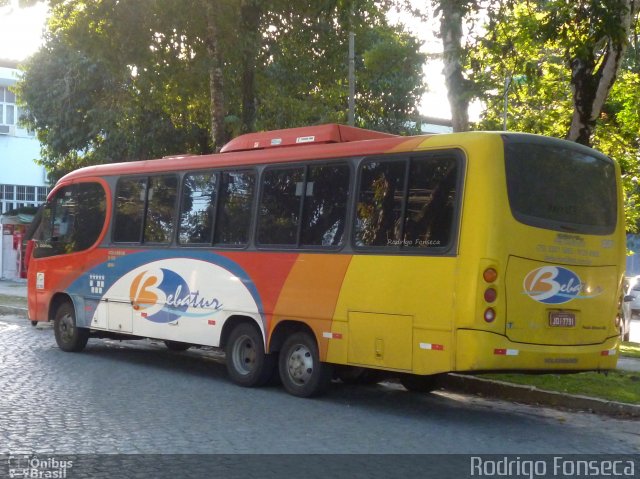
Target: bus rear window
560, 186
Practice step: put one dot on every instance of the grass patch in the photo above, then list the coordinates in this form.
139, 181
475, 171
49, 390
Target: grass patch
631, 350
621, 386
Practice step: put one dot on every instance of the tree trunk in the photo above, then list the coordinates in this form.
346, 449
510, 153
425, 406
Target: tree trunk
216, 78
452, 12
592, 78
250, 13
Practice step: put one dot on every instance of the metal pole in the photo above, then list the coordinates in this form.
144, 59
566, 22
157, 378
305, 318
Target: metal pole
352, 80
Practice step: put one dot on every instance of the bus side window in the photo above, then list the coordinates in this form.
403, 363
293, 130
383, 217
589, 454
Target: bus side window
197, 208
161, 204
404, 206
430, 202
72, 221
129, 210
279, 211
380, 203
325, 206
234, 213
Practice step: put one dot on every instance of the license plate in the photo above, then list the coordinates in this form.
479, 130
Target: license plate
562, 320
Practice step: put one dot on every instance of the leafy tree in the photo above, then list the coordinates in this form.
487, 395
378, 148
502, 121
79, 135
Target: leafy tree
303, 77
454, 15
117, 80
535, 55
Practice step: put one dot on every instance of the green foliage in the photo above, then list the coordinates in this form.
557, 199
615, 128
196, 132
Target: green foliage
118, 81
528, 54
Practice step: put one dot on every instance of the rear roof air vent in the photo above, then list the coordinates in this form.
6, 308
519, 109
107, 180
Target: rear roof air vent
308, 135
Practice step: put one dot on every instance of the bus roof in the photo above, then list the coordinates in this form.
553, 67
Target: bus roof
279, 146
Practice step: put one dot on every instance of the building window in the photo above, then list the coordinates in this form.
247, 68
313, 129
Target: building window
7, 106
43, 191
21, 193
8, 192
30, 194
18, 196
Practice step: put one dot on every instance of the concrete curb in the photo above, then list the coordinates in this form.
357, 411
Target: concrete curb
532, 395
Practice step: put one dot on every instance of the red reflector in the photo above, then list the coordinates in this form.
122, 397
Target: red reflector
490, 275
212, 322
500, 352
490, 295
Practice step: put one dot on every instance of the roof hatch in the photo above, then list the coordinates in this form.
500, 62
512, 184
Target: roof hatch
308, 135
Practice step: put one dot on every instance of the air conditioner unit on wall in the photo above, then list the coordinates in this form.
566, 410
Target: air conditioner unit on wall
7, 130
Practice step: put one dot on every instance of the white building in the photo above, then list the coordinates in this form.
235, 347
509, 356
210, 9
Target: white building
22, 181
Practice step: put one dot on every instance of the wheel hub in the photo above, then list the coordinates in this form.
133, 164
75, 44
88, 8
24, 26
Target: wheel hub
301, 364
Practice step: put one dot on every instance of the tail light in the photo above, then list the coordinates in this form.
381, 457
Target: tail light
489, 315
490, 275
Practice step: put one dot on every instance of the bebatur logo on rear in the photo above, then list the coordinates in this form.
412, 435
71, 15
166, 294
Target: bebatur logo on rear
552, 285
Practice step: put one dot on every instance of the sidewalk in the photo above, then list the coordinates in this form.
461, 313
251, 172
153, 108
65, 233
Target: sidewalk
13, 288
13, 300
13, 297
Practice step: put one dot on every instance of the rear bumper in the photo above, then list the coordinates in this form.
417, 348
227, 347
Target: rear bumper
484, 351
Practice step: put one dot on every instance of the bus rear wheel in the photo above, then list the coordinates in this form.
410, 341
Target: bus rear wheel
69, 336
247, 363
301, 371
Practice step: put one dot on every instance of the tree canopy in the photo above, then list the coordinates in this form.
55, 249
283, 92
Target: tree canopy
117, 81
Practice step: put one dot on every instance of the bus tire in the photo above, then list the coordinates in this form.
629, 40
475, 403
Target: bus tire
301, 371
247, 363
69, 337
419, 384
176, 345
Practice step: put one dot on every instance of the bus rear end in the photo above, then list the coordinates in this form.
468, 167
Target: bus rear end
547, 291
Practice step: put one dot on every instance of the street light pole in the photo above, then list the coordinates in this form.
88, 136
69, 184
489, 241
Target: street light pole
507, 84
352, 80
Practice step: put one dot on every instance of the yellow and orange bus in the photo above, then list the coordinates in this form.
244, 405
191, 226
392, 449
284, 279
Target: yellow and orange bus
326, 251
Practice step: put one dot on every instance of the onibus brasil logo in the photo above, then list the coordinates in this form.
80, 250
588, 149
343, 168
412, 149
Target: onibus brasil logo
162, 296
553, 285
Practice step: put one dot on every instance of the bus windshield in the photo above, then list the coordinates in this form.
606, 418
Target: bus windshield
559, 186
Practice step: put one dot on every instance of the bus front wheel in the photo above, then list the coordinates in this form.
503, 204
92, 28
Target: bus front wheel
301, 371
247, 363
69, 336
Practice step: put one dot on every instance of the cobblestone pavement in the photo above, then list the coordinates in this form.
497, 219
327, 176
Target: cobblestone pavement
138, 397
